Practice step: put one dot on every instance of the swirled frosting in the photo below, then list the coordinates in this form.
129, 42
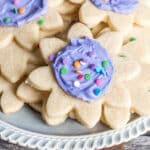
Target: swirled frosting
19, 12
118, 6
84, 69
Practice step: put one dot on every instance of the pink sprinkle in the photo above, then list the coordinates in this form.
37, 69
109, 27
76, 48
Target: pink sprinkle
98, 81
16, 2
81, 77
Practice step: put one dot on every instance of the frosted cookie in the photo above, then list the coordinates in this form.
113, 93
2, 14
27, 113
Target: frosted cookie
24, 21
120, 15
83, 103
16, 13
9, 102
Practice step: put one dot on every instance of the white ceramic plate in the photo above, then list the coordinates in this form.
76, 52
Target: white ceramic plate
26, 128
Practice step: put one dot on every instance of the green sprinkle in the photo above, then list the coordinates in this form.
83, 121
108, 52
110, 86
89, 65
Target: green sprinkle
64, 71
149, 90
123, 56
87, 76
132, 39
7, 20
15, 10
105, 64
41, 22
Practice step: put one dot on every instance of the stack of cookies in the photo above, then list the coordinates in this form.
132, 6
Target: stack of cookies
87, 60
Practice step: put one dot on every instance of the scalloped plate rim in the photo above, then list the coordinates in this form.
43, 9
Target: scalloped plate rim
107, 137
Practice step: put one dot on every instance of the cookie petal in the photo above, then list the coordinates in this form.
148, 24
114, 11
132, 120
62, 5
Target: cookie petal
54, 121
111, 41
120, 22
140, 100
42, 79
6, 38
79, 30
91, 15
59, 103
125, 69
71, 8
28, 94
118, 97
27, 36
49, 46
116, 118
52, 21
88, 114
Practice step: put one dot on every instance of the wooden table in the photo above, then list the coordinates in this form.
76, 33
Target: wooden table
141, 143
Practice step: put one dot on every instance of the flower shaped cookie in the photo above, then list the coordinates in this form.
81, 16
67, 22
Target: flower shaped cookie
29, 34
16, 61
59, 105
115, 13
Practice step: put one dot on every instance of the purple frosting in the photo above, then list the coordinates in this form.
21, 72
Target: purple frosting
9, 11
90, 78
118, 6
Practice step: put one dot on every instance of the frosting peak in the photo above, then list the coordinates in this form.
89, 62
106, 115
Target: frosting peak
118, 6
19, 12
83, 69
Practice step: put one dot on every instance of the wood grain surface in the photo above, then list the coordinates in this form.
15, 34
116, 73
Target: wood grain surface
141, 143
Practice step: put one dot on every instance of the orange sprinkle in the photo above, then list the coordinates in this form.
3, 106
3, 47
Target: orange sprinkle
79, 72
77, 64
21, 10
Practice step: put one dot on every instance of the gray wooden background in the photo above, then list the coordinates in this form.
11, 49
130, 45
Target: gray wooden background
141, 143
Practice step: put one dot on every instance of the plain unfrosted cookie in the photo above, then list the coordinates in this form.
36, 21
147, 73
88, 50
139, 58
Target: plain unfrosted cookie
9, 102
14, 60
